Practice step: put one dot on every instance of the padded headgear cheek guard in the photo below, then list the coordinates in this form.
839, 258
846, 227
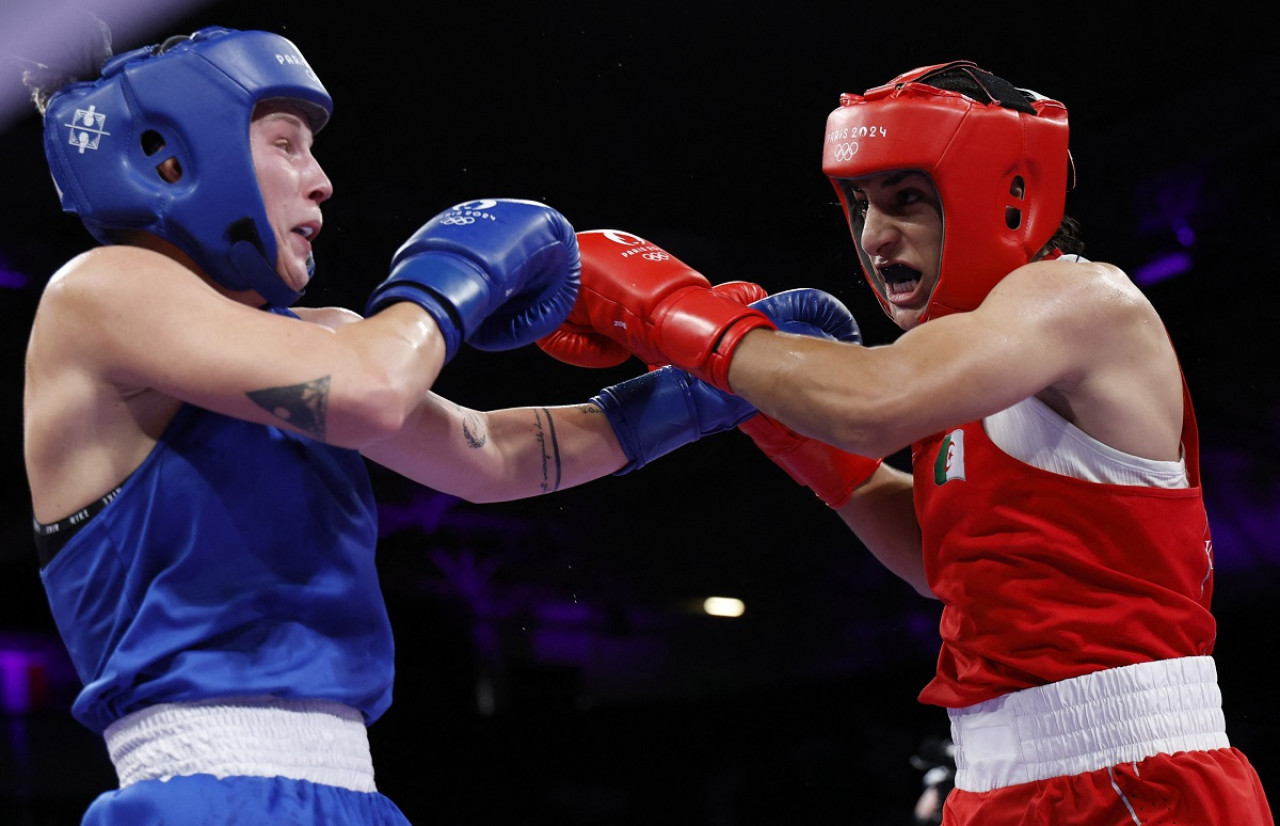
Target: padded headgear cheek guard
190, 100
1000, 168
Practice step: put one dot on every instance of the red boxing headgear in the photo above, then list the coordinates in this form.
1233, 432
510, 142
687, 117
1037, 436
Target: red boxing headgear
1000, 167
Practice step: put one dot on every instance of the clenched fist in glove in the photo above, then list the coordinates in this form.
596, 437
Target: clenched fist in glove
497, 274
659, 411
638, 298
666, 408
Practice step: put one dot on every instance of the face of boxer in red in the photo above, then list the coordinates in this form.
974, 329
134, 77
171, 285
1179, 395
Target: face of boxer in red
951, 178
897, 223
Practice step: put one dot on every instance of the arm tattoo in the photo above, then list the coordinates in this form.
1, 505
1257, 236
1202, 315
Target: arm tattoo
299, 405
546, 436
473, 430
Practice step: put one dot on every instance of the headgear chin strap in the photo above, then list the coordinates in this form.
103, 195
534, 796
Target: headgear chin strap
1000, 167
190, 101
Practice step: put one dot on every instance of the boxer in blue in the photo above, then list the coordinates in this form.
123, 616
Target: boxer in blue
196, 446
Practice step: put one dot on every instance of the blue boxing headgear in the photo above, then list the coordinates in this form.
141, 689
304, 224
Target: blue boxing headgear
190, 100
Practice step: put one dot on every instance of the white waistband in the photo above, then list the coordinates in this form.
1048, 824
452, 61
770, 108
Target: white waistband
1119, 715
315, 740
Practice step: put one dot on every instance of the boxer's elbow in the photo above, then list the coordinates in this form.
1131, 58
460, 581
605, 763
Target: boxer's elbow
372, 406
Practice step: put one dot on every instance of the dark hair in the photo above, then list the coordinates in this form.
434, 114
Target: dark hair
1067, 238
80, 56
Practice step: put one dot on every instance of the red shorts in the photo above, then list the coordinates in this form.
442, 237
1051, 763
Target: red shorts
1193, 788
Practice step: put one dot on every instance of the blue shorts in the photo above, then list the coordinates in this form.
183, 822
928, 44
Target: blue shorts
204, 800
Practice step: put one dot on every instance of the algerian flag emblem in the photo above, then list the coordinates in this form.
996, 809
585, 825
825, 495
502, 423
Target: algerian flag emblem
950, 462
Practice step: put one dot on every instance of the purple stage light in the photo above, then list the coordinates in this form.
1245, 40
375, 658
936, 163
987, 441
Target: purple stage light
1162, 267
12, 279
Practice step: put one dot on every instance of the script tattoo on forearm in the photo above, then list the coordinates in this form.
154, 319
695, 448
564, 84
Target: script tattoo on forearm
299, 405
546, 436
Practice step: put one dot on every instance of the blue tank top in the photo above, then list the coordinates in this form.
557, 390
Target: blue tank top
237, 560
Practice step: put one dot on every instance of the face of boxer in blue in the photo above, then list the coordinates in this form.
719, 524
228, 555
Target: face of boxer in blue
160, 143
292, 183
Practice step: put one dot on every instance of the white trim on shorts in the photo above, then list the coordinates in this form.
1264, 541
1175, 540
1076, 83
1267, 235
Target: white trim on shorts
314, 740
1119, 715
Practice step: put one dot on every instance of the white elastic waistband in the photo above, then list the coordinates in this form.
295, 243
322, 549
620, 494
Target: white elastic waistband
1120, 715
315, 740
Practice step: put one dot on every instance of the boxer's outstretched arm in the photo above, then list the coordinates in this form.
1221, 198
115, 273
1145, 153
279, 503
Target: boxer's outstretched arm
501, 455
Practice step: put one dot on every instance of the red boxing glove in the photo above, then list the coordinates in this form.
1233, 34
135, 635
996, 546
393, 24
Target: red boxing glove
743, 292
584, 347
833, 474
638, 296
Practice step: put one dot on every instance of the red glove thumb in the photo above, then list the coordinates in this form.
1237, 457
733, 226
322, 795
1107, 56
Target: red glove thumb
743, 292
582, 347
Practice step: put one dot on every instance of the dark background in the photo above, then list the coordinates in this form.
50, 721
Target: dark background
553, 667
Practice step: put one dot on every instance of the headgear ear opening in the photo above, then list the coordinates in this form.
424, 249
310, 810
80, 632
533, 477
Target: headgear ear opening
998, 157
186, 102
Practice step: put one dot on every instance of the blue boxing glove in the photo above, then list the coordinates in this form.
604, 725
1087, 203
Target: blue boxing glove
497, 274
809, 312
662, 410
655, 413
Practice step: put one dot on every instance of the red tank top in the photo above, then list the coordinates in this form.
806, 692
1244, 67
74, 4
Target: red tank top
1044, 577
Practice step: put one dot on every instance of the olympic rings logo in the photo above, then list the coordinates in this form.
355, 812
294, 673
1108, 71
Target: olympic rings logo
845, 151
656, 256
466, 212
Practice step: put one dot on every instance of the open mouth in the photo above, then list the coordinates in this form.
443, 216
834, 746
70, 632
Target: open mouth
307, 232
900, 281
